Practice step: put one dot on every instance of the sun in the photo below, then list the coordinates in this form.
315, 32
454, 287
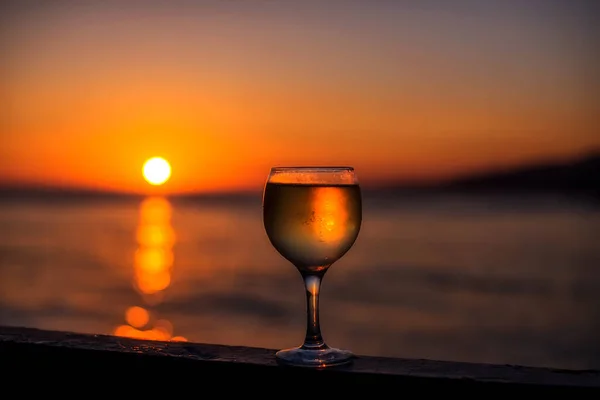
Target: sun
156, 171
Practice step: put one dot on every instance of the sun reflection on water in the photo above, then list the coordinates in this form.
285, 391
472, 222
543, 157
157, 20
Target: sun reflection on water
153, 262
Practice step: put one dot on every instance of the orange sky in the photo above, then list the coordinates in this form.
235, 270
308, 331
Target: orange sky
225, 90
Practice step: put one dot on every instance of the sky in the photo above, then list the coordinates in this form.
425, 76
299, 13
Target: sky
401, 90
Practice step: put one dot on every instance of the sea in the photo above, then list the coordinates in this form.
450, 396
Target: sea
489, 279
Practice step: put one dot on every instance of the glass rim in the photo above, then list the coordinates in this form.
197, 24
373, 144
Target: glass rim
303, 168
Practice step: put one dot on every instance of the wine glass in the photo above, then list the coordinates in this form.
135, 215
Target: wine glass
312, 216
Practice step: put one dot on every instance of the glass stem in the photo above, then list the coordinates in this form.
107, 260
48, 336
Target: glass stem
313, 340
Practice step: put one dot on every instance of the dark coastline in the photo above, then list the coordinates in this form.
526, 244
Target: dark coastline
579, 178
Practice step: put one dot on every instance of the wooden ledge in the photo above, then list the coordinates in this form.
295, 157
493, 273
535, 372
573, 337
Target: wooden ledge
80, 357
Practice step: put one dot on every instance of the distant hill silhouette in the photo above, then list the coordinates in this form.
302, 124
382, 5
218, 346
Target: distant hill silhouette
74, 195
59, 194
579, 176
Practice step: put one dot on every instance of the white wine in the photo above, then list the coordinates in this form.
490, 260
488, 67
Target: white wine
312, 225
312, 216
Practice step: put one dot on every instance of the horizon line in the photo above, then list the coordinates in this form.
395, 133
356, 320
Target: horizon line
7, 188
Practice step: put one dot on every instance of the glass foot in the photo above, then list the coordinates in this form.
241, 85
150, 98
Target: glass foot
316, 358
